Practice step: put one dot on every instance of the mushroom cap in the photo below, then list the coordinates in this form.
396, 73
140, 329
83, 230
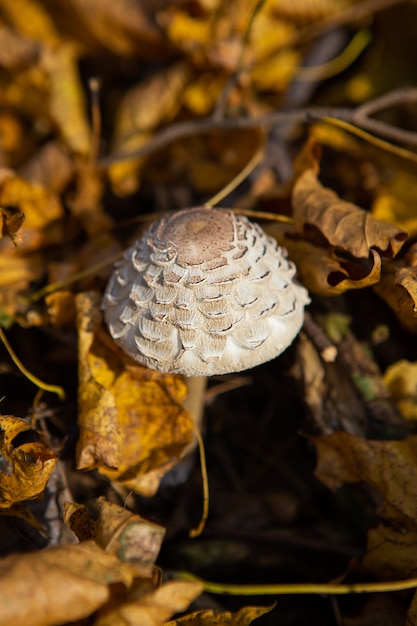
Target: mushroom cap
204, 292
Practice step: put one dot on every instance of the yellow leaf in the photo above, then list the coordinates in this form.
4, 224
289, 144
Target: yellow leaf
66, 97
124, 27
26, 466
42, 210
396, 200
133, 427
152, 102
401, 380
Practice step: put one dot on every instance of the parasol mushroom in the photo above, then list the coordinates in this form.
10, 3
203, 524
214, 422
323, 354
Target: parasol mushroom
204, 292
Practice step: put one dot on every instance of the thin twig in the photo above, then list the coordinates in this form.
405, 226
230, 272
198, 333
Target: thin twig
306, 115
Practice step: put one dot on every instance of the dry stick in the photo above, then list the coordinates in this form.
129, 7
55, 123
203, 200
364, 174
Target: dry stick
306, 115
94, 85
33, 379
376, 141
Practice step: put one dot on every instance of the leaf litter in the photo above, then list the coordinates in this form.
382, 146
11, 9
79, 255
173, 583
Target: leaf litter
311, 461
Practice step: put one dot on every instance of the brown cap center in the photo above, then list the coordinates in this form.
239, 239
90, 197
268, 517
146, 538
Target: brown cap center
199, 235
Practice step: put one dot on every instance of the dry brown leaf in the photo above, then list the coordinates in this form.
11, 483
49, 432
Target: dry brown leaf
150, 609
133, 427
50, 167
124, 27
26, 466
58, 585
389, 467
321, 216
208, 617
118, 531
11, 222
398, 287
322, 270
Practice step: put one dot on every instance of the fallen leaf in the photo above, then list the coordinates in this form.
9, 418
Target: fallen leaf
133, 427
321, 216
67, 105
398, 287
11, 222
143, 108
395, 200
209, 617
401, 380
116, 530
322, 270
391, 552
27, 461
124, 27
389, 467
42, 210
153, 608
59, 585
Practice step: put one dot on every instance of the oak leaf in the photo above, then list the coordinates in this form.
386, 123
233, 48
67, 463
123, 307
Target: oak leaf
133, 427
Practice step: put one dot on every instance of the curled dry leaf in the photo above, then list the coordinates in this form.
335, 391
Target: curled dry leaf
336, 245
27, 461
319, 212
58, 585
120, 532
398, 287
322, 270
153, 608
11, 222
133, 427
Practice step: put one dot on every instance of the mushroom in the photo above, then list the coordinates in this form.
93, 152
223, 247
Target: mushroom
204, 292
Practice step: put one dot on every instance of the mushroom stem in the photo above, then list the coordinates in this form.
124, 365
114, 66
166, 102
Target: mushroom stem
194, 402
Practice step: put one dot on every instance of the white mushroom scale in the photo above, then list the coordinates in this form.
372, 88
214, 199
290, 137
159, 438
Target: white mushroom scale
204, 292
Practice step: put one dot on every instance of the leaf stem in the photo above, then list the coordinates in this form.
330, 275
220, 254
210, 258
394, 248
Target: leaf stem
298, 589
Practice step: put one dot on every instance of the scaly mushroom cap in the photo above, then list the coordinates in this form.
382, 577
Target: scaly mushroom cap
204, 292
